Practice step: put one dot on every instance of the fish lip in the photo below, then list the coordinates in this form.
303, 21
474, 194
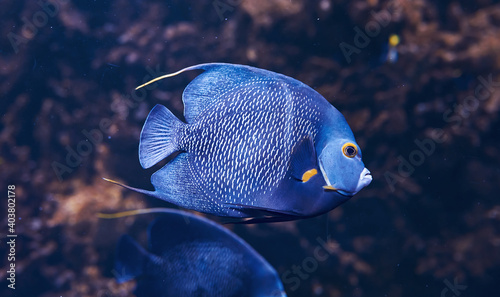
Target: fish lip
365, 178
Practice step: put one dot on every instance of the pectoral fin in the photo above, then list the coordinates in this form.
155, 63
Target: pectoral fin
303, 161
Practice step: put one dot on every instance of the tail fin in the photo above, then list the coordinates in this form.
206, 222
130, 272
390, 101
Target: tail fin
130, 259
158, 136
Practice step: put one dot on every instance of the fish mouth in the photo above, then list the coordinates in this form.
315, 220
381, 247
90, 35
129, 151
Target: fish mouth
365, 178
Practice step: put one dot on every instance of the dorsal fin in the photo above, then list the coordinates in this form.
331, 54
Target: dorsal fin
210, 85
178, 227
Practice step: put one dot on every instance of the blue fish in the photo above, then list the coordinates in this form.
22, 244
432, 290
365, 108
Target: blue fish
255, 145
193, 256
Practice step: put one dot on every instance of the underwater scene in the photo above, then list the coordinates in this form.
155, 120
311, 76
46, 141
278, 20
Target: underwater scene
233, 148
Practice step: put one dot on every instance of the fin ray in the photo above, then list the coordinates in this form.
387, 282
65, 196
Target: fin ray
158, 136
129, 187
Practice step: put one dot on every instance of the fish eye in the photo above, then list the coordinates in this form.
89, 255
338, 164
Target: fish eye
350, 150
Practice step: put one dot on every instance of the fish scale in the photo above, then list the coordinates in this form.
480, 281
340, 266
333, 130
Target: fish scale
225, 145
255, 144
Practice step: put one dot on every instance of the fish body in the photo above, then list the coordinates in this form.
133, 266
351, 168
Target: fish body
192, 256
255, 144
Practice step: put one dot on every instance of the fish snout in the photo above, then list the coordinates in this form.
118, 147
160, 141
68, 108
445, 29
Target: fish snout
365, 178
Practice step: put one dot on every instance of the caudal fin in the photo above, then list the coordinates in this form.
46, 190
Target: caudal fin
130, 259
159, 136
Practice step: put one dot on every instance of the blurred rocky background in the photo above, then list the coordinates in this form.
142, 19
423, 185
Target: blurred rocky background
418, 81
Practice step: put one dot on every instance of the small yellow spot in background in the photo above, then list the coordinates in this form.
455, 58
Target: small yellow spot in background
308, 174
394, 40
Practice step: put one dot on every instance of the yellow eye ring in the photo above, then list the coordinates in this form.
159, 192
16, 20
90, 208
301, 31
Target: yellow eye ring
350, 150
